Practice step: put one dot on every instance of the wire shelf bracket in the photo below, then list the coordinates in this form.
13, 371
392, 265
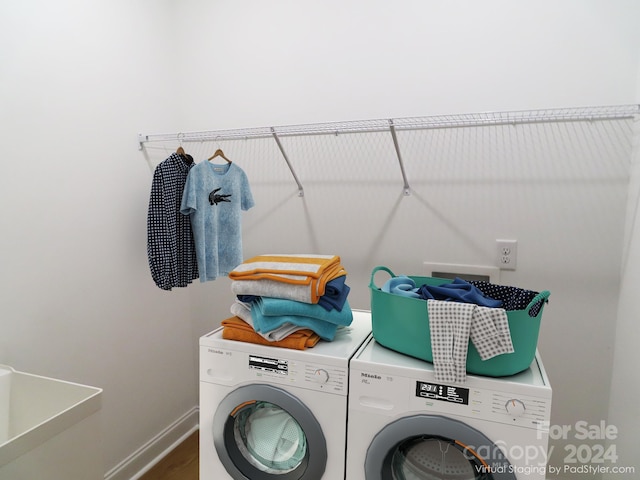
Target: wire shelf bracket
392, 128
286, 159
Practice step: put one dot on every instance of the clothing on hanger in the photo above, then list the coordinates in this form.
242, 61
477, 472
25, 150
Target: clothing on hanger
170, 245
214, 198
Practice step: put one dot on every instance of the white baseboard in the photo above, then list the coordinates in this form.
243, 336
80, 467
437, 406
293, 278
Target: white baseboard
143, 459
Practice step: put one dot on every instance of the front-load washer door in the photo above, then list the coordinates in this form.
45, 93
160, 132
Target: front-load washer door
262, 432
430, 447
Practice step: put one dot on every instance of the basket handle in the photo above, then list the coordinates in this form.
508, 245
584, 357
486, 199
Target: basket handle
377, 269
542, 296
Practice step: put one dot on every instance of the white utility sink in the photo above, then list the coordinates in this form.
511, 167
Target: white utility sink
49, 429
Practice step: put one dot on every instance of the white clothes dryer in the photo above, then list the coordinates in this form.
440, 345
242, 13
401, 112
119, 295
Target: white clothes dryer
402, 424
269, 412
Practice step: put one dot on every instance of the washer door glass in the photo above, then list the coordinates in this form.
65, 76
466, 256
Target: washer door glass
269, 438
433, 458
262, 432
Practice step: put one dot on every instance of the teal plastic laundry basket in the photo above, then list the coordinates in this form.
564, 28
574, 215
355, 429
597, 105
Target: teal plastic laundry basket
402, 324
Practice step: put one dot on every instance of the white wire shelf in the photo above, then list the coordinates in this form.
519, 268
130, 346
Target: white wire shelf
573, 114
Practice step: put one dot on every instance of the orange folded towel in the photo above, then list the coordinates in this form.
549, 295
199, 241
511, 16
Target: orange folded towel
308, 269
237, 329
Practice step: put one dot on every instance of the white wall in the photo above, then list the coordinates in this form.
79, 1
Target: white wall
625, 382
81, 79
260, 63
560, 190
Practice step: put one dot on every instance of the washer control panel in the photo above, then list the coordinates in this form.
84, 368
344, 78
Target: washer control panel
232, 367
298, 373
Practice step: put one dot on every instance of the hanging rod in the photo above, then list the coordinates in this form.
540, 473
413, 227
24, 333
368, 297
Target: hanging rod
575, 114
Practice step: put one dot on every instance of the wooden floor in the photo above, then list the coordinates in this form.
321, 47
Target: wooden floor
180, 464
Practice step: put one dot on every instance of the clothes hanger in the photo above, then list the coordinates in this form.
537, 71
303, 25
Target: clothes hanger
180, 151
219, 153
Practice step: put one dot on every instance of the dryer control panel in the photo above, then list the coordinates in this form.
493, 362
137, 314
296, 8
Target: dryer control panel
445, 393
393, 395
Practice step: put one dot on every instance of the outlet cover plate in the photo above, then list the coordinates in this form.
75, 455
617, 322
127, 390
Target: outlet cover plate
506, 254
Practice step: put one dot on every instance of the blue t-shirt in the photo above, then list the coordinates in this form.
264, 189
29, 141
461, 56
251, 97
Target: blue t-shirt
214, 196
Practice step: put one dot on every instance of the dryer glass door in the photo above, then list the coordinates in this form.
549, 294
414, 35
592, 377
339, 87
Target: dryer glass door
434, 458
433, 447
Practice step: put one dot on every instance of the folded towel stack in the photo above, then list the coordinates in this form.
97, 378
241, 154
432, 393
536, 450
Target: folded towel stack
283, 295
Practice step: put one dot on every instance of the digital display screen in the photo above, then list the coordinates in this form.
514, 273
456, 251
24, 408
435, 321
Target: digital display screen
273, 365
444, 393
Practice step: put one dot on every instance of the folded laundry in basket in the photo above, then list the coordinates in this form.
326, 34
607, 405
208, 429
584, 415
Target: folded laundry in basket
401, 285
453, 324
513, 298
310, 271
234, 328
457, 291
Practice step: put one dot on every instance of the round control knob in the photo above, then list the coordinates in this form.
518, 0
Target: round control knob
321, 376
515, 407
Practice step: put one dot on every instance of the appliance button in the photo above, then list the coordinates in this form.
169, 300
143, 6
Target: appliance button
515, 407
321, 376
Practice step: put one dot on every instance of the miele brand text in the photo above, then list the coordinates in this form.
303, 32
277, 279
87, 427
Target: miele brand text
370, 375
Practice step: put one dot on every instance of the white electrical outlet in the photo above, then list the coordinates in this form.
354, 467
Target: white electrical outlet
507, 254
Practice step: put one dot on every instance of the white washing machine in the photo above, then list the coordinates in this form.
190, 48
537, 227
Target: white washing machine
269, 412
402, 424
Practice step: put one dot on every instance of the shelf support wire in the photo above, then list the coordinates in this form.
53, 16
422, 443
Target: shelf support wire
286, 159
392, 127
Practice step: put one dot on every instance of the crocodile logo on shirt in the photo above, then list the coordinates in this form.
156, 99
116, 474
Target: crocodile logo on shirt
215, 198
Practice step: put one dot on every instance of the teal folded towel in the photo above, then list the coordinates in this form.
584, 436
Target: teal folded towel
271, 307
264, 324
